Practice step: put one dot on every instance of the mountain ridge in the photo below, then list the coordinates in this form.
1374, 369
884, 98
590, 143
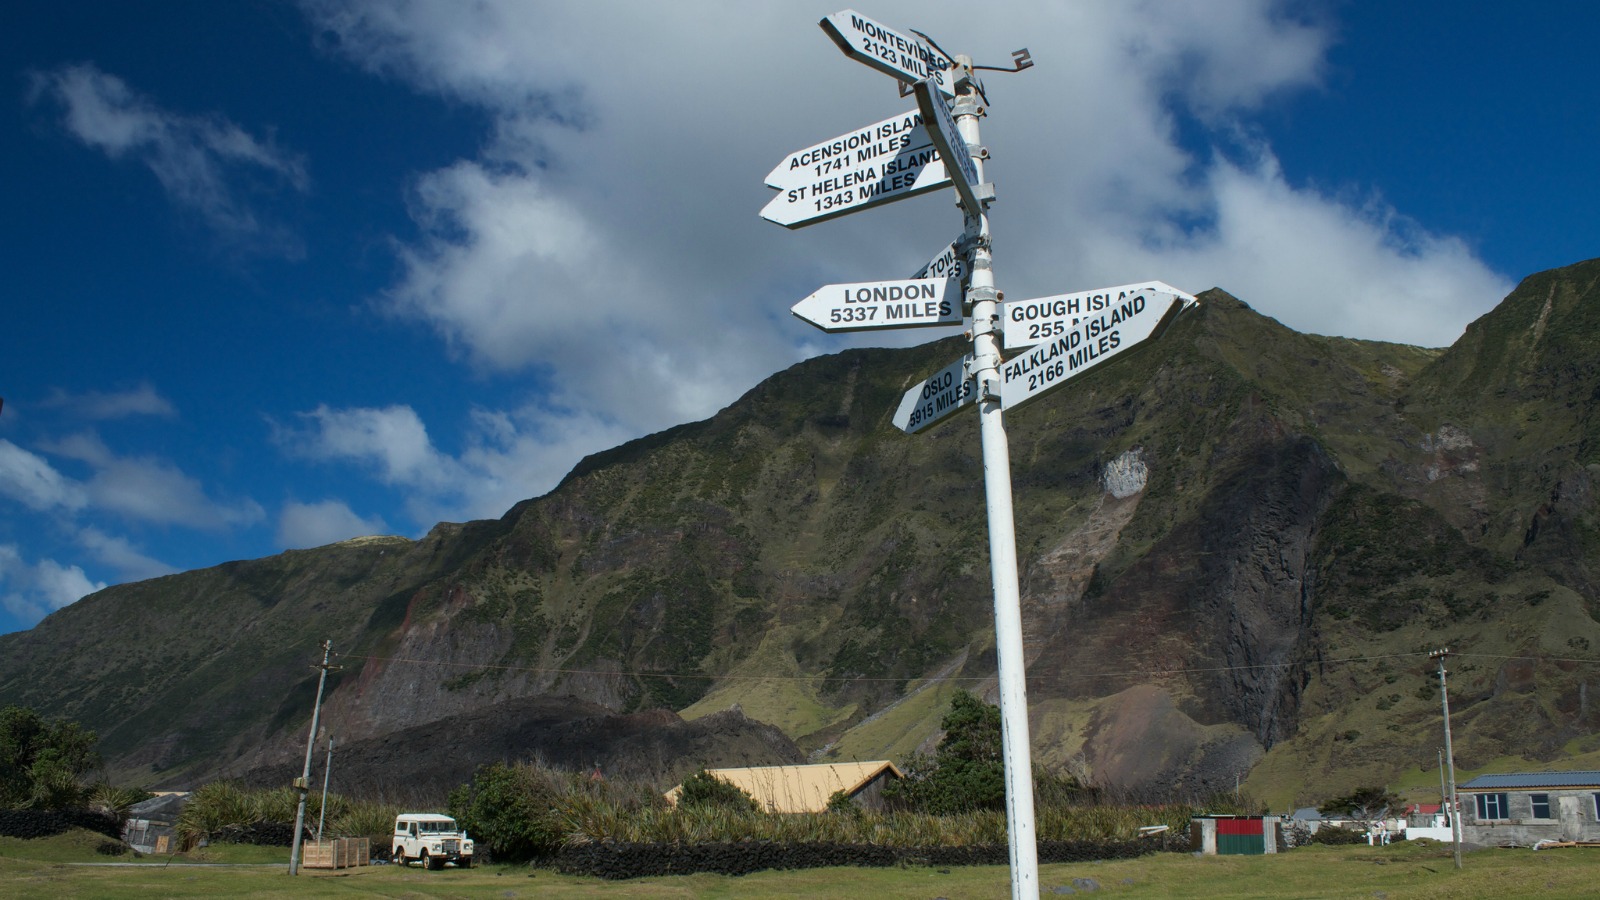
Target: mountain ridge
1205, 527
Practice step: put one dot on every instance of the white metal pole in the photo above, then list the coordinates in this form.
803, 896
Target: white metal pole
303, 783
1020, 833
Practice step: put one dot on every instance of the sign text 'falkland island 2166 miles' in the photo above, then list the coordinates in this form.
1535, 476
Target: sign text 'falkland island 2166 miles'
936, 397
883, 304
1024, 323
890, 52
1095, 338
883, 162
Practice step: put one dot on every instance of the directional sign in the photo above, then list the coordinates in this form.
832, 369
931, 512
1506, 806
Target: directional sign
948, 264
909, 172
952, 146
889, 51
937, 397
852, 151
1024, 323
1096, 338
883, 304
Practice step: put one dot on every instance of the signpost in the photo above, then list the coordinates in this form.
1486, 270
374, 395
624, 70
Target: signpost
1027, 322
889, 51
883, 304
1091, 341
952, 147
909, 154
936, 397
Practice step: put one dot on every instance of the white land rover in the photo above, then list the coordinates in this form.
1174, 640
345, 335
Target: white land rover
431, 839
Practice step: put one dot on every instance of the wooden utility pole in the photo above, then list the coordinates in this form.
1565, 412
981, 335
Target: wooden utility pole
303, 783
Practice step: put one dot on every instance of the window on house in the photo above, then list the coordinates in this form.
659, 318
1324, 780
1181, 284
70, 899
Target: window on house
1597, 807
1541, 805
1493, 806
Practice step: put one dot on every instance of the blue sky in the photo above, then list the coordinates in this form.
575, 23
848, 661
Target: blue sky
279, 274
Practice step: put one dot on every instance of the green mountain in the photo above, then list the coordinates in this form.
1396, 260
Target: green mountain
1238, 544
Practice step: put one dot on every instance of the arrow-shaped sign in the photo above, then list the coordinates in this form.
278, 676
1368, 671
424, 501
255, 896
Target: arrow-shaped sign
889, 51
883, 304
952, 146
937, 397
1024, 323
949, 263
909, 172
1095, 338
852, 151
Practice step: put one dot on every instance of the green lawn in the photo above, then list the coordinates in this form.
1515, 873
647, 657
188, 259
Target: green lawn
46, 869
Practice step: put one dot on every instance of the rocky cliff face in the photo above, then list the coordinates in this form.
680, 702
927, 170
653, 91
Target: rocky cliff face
1234, 544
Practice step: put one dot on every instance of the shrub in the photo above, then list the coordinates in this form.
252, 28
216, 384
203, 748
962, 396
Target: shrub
1334, 836
702, 789
967, 771
513, 810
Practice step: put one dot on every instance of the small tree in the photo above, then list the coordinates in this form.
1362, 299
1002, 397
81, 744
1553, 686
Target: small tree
702, 789
967, 771
1367, 805
512, 810
42, 762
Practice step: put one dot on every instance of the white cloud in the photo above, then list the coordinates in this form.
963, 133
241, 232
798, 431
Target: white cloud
144, 489
29, 479
202, 162
143, 400
607, 237
505, 457
148, 489
30, 591
325, 522
119, 553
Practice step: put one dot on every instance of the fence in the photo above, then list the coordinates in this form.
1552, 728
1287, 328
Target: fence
341, 853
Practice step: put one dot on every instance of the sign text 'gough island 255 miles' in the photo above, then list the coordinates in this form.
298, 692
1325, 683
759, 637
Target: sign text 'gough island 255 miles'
1024, 323
1093, 340
883, 304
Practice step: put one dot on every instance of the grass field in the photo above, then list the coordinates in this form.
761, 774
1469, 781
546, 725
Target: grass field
55, 868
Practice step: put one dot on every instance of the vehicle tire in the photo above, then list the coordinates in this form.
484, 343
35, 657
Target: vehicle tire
464, 862
398, 857
431, 863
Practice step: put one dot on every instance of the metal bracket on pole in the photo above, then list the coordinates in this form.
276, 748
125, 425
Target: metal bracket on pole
965, 105
976, 295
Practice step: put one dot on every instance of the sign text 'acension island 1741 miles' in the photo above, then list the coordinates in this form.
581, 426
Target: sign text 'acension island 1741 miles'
890, 52
883, 162
883, 304
1094, 339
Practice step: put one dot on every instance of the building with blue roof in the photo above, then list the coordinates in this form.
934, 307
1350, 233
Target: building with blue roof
1524, 808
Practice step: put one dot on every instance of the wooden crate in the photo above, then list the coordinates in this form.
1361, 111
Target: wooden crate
340, 853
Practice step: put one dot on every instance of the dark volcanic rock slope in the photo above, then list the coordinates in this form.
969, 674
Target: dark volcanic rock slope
1234, 544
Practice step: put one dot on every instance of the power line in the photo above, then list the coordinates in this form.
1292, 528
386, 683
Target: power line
1193, 670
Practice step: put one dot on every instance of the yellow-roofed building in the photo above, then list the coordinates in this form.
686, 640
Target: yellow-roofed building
806, 789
